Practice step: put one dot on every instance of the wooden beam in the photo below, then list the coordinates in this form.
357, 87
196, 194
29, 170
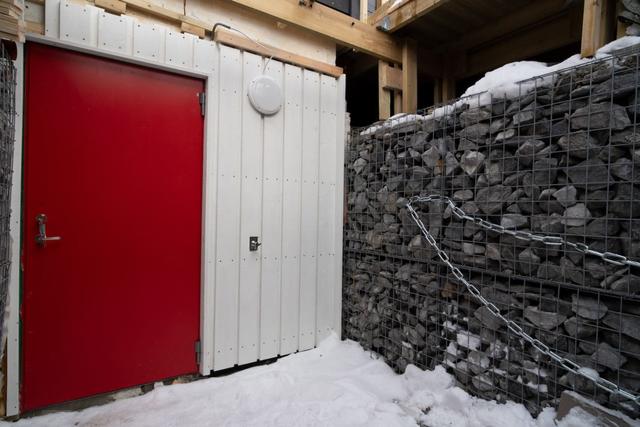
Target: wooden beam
390, 78
329, 23
448, 88
384, 95
192, 29
364, 10
597, 23
409, 76
407, 13
239, 41
113, 6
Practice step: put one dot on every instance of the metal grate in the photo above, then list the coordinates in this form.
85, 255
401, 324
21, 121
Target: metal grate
559, 158
7, 135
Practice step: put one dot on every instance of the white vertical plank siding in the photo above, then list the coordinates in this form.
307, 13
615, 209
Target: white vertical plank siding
272, 226
277, 177
251, 147
326, 207
228, 209
341, 135
292, 185
309, 208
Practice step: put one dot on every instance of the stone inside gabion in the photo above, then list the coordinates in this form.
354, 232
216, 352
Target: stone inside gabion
562, 160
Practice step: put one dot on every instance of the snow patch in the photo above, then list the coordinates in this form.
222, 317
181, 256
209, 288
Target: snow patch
336, 384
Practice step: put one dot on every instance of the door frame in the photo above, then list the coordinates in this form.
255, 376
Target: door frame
209, 190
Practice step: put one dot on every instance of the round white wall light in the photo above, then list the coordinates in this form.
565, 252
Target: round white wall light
265, 95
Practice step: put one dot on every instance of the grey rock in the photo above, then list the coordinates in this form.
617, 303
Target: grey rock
471, 162
566, 196
627, 324
513, 221
528, 149
580, 145
543, 319
463, 195
577, 215
605, 355
431, 157
491, 199
505, 135
488, 319
600, 116
473, 116
588, 308
545, 171
482, 383
625, 169
592, 174
629, 284
359, 165
578, 328
478, 362
475, 131
528, 261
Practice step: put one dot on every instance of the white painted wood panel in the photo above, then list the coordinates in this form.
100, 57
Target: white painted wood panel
115, 33
272, 225
326, 207
228, 210
309, 207
251, 147
291, 218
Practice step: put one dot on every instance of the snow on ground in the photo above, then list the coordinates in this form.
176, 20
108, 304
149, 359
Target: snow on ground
336, 384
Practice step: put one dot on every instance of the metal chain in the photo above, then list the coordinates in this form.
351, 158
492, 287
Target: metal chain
609, 257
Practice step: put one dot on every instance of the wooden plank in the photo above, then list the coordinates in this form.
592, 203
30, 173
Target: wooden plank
326, 208
324, 21
409, 76
271, 248
407, 13
309, 203
598, 21
34, 27
291, 280
114, 6
391, 77
227, 272
234, 39
384, 95
364, 10
192, 29
251, 147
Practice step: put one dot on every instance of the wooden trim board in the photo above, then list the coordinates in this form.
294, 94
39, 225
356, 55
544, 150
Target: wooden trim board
233, 39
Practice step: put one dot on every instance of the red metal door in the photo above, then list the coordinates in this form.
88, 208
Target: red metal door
113, 158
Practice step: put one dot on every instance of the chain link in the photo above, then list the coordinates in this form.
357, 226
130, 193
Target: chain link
612, 258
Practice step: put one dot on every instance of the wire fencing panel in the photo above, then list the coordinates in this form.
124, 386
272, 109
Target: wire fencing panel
7, 122
559, 158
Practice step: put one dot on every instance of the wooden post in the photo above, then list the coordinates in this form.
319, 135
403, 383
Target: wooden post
598, 21
384, 95
437, 91
448, 88
364, 10
409, 76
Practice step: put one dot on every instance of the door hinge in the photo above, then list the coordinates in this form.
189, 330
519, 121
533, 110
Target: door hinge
202, 99
198, 349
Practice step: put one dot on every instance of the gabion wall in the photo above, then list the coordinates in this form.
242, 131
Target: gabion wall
7, 135
560, 159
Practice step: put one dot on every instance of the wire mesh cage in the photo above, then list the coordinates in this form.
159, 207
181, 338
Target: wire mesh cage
7, 135
557, 159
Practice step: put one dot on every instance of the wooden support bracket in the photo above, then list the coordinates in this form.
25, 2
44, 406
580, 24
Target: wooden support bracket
390, 78
192, 29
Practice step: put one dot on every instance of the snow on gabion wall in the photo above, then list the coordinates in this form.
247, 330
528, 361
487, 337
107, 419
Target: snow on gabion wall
561, 159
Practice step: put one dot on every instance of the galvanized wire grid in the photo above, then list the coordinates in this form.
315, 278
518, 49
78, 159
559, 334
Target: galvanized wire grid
559, 159
7, 135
